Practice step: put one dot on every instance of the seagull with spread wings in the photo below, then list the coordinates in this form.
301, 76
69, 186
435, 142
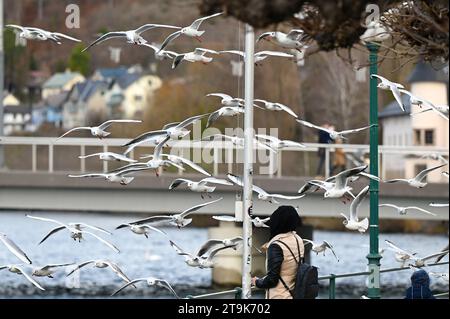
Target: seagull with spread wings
320, 248
278, 144
198, 55
99, 131
403, 210
201, 186
150, 282
262, 194
190, 31
273, 106
179, 220
13, 248
193, 260
417, 181
334, 134
132, 36
414, 100
30, 33
260, 56
294, 39
352, 222
102, 263
77, 230
48, 270
385, 84
227, 100
15, 269
109, 156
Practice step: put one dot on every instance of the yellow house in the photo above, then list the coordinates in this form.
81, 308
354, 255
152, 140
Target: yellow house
61, 82
131, 94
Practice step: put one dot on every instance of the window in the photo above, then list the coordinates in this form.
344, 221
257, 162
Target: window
138, 98
429, 137
417, 137
419, 167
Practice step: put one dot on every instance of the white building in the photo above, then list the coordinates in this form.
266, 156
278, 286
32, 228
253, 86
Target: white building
425, 129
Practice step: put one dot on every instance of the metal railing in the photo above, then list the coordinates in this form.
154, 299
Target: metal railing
331, 283
275, 163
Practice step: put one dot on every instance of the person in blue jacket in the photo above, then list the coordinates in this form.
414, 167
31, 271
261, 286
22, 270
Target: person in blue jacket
420, 286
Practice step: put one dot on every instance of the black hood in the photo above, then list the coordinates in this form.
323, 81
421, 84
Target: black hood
283, 220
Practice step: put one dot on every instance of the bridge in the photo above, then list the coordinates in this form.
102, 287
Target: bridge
52, 190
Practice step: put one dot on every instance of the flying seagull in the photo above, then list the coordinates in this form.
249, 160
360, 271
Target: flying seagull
201, 186
234, 243
352, 222
227, 100
76, 231
417, 180
278, 144
228, 111
190, 31
401, 255
198, 55
418, 261
141, 229
320, 248
48, 270
132, 36
178, 220
15, 269
278, 107
150, 282
238, 141
161, 54
336, 186
110, 156
155, 162
414, 100
99, 131
260, 56
292, 40
262, 194
181, 161
385, 84
334, 134
173, 130
257, 222
13, 248
205, 261
404, 210
119, 176
100, 263
30, 33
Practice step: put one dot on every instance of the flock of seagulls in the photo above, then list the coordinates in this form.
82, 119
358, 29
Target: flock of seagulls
334, 187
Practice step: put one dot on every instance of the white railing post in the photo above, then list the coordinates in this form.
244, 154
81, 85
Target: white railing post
83, 161
327, 162
279, 164
216, 160
105, 163
50, 158
34, 158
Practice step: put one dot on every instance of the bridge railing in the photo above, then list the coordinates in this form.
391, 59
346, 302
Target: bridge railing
236, 293
273, 161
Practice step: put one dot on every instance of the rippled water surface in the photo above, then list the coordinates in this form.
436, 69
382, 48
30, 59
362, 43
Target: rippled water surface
141, 257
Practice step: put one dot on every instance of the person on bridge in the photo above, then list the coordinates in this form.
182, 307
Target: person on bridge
284, 250
323, 138
420, 286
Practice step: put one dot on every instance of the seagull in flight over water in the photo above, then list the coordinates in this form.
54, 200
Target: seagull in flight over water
98, 131
13, 248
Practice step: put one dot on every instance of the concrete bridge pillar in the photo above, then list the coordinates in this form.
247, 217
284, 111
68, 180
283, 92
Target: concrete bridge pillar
228, 268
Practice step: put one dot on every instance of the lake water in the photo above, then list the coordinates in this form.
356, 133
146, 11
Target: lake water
141, 257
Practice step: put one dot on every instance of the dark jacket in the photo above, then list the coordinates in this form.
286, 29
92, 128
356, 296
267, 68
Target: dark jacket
274, 261
420, 286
